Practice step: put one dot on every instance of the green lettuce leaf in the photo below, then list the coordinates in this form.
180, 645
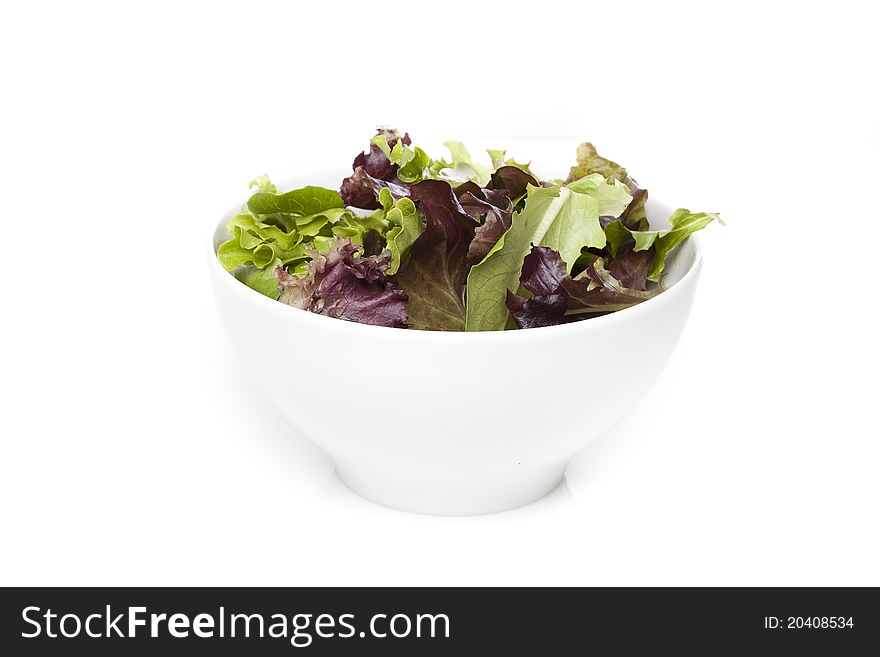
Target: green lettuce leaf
498, 161
616, 235
413, 170
613, 197
231, 254
310, 225
406, 227
497, 157
306, 201
397, 224
461, 157
276, 231
263, 184
565, 219
356, 227
253, 232
258, 243
400, 154
261, 280
682, 223
412, 162
589, 162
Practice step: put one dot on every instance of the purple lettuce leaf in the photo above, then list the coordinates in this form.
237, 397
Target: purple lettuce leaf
513, 180
435, 274
361, 190
491, 206
558, 298
631, 267
634, 216
545, 310
595, 290
375, 162
495, 203
373, 170
343, 284
471, 193
543, 271
543, 274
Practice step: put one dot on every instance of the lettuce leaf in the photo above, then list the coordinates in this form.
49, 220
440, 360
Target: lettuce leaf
634, 216
261, 280
276, 230
462, 158
682, 223
357, 228
435, 274
309, 200
631, 268
395, 225
361, 190
514, 180
590, 162
258, 243
343, 284
370, 168
411, 162
565, 219
595, 290
498, 161
492, 208
263, 184
375, 160
558, 298
405, 228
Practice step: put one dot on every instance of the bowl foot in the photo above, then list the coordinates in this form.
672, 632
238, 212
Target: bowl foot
452, 493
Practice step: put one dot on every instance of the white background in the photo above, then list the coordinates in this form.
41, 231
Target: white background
133, 451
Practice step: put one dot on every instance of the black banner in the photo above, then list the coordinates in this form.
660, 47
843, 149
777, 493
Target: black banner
446, 621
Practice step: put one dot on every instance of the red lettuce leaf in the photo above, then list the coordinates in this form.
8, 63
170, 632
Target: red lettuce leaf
631, 267
543, 271
513, 180
345, 285
494, 207
495, 203
361, 190
545, 310
373, 170
634, 216
435, 274
558, 298
595, 290
375, 162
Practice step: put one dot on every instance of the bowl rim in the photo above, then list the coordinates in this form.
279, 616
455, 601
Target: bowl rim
325, 323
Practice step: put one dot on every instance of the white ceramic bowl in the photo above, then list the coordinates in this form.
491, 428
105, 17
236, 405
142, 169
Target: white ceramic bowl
456, 423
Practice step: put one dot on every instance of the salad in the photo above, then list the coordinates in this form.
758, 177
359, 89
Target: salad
409, 241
